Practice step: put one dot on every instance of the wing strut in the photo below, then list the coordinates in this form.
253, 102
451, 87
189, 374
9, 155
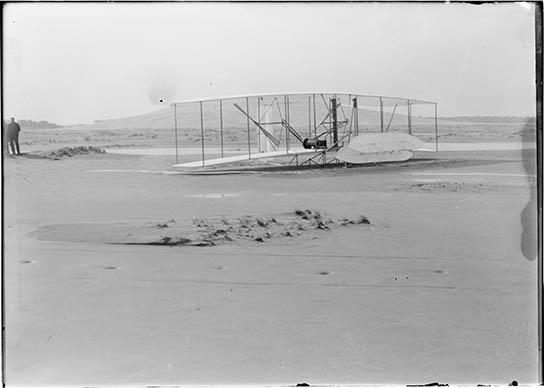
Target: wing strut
292, 130
391, 119
275, 142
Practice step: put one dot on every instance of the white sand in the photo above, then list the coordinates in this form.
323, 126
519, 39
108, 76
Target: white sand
437, 290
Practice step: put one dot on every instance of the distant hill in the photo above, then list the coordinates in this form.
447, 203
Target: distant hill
491, 119
161, 119
188, 119
31, 124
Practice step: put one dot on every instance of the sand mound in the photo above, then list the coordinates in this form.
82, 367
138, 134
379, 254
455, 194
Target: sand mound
68, 152
213, 231
241, 230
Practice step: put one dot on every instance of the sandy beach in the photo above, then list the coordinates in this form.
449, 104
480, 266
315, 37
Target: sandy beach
435, 287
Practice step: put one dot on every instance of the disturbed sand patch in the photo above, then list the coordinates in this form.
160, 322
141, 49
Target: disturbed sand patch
68, 152
200, 232
436, 185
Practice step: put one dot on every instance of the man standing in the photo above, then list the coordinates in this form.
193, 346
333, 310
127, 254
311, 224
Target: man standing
13, 136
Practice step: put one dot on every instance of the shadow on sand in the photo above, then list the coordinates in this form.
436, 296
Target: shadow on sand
528, 217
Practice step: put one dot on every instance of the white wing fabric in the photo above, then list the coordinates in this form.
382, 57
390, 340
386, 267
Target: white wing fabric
379, 147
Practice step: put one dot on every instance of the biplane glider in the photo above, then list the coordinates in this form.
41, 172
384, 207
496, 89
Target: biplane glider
310, 128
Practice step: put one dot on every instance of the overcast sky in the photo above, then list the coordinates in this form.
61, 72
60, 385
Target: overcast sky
75, 63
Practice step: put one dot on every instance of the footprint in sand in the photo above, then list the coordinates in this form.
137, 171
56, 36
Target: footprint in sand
325, 273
